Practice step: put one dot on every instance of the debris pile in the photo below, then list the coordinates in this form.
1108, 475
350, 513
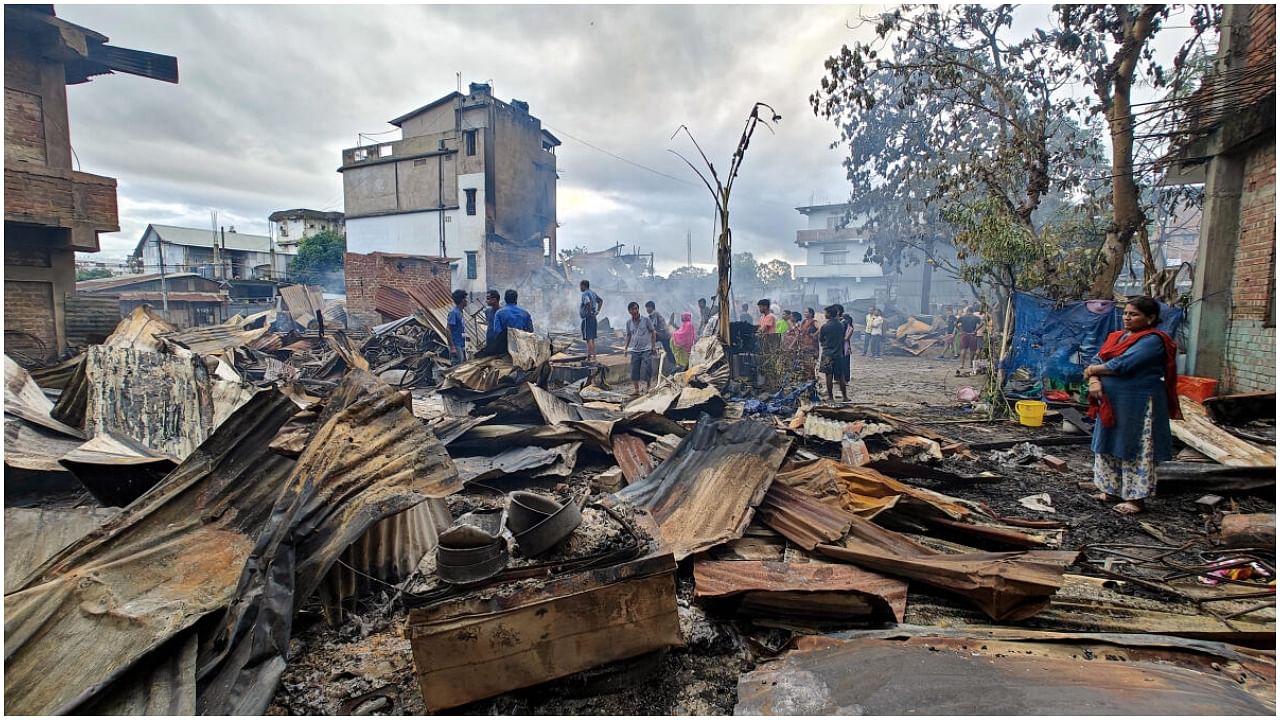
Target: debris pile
291, 523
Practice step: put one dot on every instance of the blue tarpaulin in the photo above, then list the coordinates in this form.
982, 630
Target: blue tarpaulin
1052, 342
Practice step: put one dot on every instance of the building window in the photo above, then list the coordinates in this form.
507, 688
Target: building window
471, 200
835, 258
470, 136
471, 265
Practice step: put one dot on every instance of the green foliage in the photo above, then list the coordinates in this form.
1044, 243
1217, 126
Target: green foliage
320, 260
689, 272
745, 267
92, 274
774, 273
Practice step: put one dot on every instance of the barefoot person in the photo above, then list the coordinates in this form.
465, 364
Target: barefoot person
1132, 395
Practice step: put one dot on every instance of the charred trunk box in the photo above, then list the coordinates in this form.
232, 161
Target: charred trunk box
516, 635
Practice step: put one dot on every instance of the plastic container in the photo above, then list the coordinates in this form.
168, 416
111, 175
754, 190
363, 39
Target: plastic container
1197, 388
1030, 412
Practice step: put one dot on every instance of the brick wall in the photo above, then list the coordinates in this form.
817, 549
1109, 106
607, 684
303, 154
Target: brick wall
365, 273
28, 308
1251, 336
23, 127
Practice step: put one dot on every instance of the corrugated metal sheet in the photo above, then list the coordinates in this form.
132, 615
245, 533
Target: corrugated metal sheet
216, 339
718, 579
976, 676
28, 446
393, 303
163, 401
632, 456
189, 296
866, 492
303, 301
140, 330
1007, 586
33, 535
387, 552
705, 493
801, 518
24, 399
235, 527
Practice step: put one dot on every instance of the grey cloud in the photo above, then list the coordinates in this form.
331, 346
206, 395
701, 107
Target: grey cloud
271, 94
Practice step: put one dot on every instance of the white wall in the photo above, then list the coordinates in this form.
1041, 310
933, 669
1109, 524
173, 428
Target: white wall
466, 233
407, 233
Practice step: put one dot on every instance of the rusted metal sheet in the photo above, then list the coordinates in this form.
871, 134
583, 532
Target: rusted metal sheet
632, 456
24, 399
536, 462
1006, 586
303, 301
158, 567
706, 492
866, 492
387, 552
116, 470
141, 330
33, 535
963, 676
393, 303
217, 339
553, 409
163, 401
489, 643
801, 518
794, 588
236, 527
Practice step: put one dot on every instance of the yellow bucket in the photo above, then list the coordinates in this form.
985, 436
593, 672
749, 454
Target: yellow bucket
1030, 412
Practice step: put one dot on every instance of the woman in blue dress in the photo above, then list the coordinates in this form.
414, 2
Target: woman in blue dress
1132, 396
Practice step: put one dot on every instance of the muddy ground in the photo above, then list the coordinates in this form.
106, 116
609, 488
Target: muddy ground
365, 666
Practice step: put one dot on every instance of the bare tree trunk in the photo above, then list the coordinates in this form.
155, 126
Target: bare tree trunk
724, 261
1127, 214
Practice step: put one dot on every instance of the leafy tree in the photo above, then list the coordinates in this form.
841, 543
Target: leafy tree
947, 107
689, 272
774, 273
320, 260
93, 273
1111, 47
745, 267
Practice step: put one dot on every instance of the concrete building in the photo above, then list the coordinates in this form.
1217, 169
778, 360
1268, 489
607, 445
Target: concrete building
472, 177
1229, 144
291, 226
50, 210
835, 269
224, 255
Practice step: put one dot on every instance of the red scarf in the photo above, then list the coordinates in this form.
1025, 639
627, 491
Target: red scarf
1114, 347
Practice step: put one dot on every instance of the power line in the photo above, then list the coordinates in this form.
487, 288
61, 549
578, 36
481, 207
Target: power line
619, 157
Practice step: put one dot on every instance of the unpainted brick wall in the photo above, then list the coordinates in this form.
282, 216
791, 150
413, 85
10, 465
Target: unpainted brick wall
1251, 335
28, 308
365, 273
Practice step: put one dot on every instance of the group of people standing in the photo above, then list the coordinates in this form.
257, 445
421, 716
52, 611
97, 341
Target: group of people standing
647, 334
498, 318
965, 329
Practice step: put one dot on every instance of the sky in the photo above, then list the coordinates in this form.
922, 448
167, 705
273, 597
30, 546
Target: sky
269, 96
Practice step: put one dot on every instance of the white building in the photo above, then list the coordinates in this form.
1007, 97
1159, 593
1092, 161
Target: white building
835, 268
220, 255
291, 226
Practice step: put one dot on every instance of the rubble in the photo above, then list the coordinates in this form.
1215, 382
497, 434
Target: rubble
339, 558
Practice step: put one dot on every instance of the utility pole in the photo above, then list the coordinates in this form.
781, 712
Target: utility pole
223, 269
688, 248
213, 229
164, 287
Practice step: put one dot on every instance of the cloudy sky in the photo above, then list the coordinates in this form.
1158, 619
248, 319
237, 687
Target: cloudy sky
270, 95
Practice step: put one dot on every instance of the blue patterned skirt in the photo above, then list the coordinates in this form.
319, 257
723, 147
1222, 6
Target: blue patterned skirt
1129, 479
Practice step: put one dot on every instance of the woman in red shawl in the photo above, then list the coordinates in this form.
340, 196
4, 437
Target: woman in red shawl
1132, 395
682, 340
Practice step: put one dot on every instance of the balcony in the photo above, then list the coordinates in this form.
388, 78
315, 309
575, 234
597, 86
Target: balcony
807, 237
852, 271
59, 198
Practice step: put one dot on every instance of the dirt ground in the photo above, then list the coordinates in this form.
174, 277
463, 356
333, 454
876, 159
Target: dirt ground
368, 657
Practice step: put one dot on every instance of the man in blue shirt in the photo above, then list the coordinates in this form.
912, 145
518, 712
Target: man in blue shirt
457, 344
589, 305
512, 315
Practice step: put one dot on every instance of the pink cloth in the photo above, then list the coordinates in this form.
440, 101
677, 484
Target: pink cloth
687, 333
